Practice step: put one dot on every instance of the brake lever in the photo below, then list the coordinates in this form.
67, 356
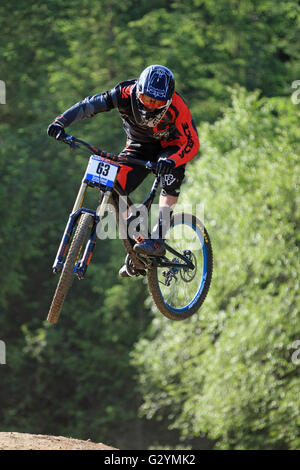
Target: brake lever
151, 166
70, 141
74, 145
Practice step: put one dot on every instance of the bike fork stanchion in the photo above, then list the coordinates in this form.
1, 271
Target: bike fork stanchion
64, 244
65, 241
81, 267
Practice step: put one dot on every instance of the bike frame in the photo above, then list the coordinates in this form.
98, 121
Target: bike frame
110, 194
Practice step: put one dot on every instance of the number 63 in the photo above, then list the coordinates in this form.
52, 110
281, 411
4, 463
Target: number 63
103, 169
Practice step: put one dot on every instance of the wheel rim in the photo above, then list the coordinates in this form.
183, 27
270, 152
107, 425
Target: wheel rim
181, 288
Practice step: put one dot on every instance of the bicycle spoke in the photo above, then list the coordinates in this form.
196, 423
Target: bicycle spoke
182, 285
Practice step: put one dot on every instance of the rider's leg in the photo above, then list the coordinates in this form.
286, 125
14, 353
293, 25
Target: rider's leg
167, 203
155, 245
170, 183
131, 177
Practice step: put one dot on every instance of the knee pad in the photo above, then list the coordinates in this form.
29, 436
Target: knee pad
171, 182
170, 192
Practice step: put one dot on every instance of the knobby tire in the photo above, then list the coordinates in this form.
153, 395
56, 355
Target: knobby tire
67, 275
156, 293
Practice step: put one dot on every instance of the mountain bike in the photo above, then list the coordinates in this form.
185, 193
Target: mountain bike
178, 281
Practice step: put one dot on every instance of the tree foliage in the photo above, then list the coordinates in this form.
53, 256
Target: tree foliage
228, 373
225, 373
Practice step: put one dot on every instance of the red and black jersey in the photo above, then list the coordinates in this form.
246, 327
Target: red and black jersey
175, 128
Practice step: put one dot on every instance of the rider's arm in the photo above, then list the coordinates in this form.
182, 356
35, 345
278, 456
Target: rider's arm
86, 108
188, 142
95, 104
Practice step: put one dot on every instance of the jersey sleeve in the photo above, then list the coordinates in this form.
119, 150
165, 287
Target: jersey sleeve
91, 105
88, 107
188, 141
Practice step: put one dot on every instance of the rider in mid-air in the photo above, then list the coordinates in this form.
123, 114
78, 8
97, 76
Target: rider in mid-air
159, 128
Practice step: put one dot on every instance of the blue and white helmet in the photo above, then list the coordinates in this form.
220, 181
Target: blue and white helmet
157, 82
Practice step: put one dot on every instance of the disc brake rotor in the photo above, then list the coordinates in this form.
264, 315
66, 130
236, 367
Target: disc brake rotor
187, 274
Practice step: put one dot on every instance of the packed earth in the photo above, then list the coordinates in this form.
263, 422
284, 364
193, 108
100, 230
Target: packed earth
20, 441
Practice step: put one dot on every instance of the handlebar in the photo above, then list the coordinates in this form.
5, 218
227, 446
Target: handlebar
74, 142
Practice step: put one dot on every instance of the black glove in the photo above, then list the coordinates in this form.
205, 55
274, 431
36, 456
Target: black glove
164, 166
56, 130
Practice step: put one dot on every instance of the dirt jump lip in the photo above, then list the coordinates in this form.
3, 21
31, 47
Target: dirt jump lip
24, 441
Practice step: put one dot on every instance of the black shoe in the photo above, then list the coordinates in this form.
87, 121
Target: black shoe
123, 272
150, 247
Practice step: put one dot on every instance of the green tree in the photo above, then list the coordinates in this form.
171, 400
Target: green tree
77, 378
228, 373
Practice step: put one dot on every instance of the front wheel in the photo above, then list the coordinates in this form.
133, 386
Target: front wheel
67, 275
178, 292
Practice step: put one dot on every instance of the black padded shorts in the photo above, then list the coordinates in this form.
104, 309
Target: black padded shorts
131, 177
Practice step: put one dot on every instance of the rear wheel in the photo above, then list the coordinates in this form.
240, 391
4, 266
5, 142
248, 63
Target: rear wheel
67, 275
179, 292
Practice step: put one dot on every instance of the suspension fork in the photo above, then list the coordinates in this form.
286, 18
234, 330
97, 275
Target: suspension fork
73, 217
82, 265
64, 244
80, 197
77, 210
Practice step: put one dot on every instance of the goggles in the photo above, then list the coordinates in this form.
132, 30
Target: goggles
151, 103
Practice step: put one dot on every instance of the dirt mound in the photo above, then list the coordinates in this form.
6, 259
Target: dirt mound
20, 441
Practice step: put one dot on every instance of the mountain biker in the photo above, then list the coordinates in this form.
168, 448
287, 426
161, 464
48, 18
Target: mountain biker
159, 127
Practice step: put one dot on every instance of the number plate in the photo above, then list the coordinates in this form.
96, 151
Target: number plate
100, 171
